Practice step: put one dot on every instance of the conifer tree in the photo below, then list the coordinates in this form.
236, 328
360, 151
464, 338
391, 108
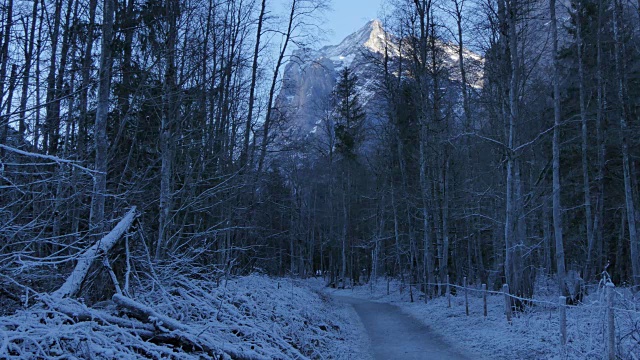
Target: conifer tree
349, 114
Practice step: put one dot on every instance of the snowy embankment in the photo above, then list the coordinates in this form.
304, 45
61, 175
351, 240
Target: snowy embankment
252, 317
532, 334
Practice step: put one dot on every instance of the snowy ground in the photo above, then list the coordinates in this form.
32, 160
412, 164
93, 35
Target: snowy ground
258, 317
252, 317
533, 334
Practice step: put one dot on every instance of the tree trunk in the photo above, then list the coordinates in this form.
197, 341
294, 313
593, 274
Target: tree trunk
12, 85
86, 80
38, 76
598, 225
252, 89
396, 233
557, 207
444, 190
426, 228
509, 223
169, 117
100, 127
628, 190
345, 228
4, 62
274, 81
585, 164
28, 56
459, 4
100, 248
547, 263
50, 130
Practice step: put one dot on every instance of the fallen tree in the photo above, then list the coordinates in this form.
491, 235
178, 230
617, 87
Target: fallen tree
145, 313
147, 324
166, 313
86, 259
176, 317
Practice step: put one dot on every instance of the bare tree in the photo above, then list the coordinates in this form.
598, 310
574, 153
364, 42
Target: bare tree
586, 185
622, 98
252, 88
557, 207
169, 119
102, 113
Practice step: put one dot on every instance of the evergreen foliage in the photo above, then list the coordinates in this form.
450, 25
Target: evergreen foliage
350, 114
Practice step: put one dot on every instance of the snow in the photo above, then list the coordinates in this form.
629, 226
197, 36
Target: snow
102, 246
371, 36
253, 317
259, 317
533, 334
341, 61
377, 39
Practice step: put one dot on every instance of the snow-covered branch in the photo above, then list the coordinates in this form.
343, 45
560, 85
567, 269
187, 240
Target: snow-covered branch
48, 157
72, 285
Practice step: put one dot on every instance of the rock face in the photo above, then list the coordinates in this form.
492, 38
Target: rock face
305, 97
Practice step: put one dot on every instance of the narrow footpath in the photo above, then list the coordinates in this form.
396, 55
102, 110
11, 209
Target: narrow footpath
396, 335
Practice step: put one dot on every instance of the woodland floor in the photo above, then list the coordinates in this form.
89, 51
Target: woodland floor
259, 317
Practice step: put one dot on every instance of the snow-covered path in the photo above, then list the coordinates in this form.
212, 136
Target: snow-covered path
396, 335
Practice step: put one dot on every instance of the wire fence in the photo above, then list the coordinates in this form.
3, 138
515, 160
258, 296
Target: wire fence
613, 302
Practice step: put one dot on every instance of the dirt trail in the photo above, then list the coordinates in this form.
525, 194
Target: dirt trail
396, 335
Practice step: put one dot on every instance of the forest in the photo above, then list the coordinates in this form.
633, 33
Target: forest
146, 139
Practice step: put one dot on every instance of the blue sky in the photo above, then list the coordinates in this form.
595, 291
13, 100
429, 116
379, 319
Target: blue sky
348, 16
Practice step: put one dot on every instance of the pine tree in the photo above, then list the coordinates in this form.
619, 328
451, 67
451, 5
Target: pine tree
349, 114
349, 117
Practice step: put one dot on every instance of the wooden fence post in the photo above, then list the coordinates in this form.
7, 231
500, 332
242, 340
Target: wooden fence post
484, 298
466, 296
611, 331
388, 282
507, 302
448, 293
563, 320
426, 290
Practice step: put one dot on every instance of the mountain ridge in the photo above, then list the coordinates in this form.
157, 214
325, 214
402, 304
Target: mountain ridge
307, 84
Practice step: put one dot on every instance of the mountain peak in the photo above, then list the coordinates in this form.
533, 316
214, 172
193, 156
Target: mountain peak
375, 25
377, 36
372, 36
